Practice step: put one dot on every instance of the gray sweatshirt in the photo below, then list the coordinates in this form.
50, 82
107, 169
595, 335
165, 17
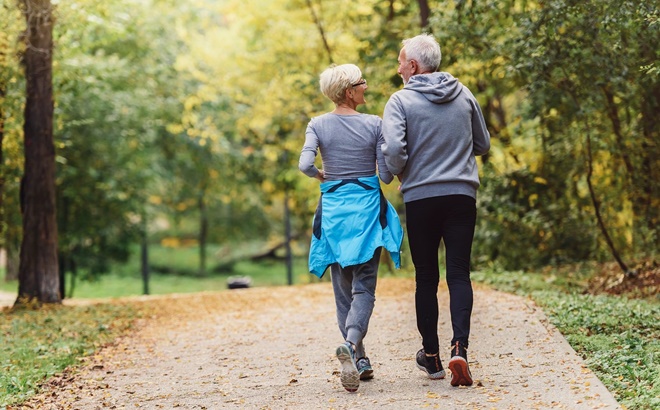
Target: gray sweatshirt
349, 145
433, 128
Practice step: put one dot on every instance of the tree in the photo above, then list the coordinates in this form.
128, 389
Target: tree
38, 270
568, 90
591, 71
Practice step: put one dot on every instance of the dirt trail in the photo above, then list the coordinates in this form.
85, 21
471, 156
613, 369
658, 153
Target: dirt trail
273, 348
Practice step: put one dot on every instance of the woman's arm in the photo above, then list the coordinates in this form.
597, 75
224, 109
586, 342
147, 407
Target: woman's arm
308, 155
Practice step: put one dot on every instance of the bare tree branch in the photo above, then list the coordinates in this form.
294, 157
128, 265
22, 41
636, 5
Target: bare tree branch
320, 27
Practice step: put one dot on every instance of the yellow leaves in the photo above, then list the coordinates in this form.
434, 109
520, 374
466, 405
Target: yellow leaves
190, 103
155, 200
364, 9
272, 154
268, 186
173, 242
175, 128
532, 199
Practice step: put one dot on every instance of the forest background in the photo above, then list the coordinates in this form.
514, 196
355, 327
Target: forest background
180, 123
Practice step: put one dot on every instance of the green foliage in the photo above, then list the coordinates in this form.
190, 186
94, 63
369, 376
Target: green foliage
172, 116
36, 344
107, 125
619, 338
12, 88
581, 65
549, 75
515, 206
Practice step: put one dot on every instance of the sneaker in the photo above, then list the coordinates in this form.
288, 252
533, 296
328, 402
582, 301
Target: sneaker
350, 378
458, 365
430, 364
364, 368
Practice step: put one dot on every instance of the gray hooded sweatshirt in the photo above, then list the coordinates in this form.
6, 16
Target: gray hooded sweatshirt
432, 130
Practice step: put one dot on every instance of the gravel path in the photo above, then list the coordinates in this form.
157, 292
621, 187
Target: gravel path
273, 348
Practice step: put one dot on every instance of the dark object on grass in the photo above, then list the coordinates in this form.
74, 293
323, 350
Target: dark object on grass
239, 282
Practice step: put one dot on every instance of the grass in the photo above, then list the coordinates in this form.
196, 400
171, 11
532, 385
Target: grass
618, 338
125, 279
36, 344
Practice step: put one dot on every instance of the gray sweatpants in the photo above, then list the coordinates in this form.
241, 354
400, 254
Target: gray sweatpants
355, 295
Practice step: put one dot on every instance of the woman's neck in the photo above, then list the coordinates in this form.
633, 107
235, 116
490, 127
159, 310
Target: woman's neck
344, 109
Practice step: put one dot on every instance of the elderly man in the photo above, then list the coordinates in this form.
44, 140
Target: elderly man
433, 128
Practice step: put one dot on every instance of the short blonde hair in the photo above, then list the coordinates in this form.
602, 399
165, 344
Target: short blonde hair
336, 79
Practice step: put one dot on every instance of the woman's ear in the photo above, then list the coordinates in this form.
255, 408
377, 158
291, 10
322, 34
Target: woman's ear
349, 93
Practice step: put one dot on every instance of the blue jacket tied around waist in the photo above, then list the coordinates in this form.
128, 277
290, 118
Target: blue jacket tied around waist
352, 220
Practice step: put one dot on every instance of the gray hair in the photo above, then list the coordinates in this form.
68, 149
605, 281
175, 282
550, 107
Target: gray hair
424, 49
336, 79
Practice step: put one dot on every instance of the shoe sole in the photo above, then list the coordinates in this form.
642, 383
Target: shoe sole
350, 378
367, 374
435, 376
460, 372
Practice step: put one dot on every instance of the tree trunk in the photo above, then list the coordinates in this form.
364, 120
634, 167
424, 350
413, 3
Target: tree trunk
144, 258
424, 12
596, 204
61, 261
203, 233
38, 271
73, 268
287, 239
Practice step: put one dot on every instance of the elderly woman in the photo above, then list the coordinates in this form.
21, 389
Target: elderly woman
353, 220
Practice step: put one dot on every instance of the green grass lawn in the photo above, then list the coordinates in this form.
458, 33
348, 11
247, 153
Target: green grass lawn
125, 279
38, 343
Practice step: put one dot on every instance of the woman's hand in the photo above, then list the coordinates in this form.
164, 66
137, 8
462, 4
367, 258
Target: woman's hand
320, 176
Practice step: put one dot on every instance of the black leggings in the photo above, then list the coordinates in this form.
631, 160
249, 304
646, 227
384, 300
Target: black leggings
450, 218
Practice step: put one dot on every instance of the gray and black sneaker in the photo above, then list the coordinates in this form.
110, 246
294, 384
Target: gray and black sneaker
364, 368
458, 365
350, 378
430, 364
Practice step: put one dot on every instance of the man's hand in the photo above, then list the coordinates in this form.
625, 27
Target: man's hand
320, 176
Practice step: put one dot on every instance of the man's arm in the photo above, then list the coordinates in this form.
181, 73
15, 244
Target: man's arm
394, 135
480, 134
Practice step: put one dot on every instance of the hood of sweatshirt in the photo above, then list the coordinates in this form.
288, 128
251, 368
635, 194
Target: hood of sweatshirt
437, 87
